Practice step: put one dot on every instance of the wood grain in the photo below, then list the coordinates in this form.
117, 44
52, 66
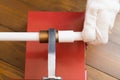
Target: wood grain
8, 72
13, 14
94, 74
13, 17
107, 57
12, 52
58, 5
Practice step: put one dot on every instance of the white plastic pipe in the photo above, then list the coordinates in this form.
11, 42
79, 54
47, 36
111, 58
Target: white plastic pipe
19, 36
69, 36
64, 36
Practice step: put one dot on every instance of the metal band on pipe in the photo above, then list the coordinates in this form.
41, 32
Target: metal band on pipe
43, 36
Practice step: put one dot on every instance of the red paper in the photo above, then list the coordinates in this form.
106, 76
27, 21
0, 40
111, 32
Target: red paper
70, 62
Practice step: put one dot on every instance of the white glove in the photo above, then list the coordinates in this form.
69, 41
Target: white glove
99, 19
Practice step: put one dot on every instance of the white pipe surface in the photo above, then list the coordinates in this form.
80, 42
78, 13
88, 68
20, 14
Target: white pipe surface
69, 36
64, 36
19, 36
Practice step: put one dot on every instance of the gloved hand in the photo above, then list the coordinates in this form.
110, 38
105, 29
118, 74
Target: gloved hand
99, 19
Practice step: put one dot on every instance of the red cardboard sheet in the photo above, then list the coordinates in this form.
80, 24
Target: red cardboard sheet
70, 56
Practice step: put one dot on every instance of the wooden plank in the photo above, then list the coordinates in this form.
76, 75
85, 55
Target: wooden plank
58, 5
115, 32
12, 52
13, 14
8, 72
107, 57
94, 74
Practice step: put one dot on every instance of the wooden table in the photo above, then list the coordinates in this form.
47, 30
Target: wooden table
103, 62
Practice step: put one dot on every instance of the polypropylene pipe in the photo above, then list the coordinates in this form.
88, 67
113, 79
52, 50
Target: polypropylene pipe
63, 36
19, 36
69, 36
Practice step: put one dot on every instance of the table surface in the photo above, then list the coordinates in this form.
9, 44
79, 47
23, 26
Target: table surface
102, 62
